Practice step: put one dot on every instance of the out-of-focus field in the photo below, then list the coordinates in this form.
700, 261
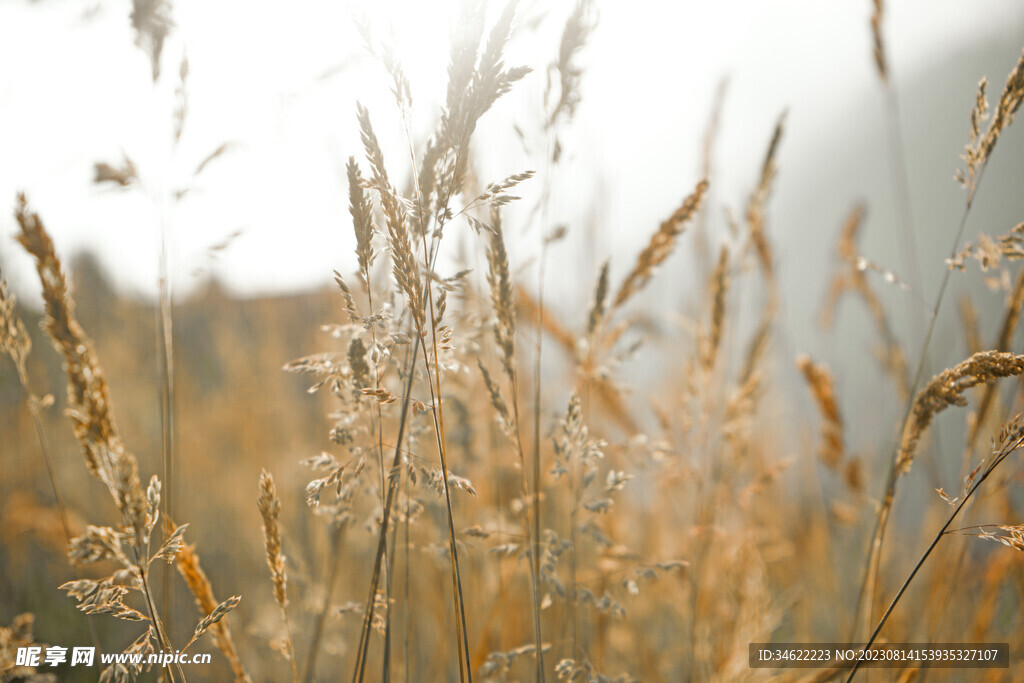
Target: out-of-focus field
233, 401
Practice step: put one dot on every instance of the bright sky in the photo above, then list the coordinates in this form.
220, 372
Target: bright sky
281, 86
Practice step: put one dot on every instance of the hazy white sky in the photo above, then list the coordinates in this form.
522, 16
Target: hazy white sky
279, 82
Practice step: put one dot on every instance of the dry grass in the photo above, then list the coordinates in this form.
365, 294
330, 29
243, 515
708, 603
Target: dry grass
822, 387
853, 277
660, 246
498, 492
128, 545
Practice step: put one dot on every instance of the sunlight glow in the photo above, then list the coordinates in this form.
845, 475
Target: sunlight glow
280, 87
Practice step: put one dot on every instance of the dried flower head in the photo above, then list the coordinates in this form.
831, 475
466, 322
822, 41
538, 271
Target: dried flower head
822, 386
947, 388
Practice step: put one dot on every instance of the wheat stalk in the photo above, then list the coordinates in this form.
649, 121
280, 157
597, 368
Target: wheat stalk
92, 417
187, 562
719, 292
504, 334
947, 388
270, 509
1011, 439
977, 153
660, 246
822, 387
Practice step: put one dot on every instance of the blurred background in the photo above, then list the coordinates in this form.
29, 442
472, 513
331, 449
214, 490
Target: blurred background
279, 88
274, 93
243, 189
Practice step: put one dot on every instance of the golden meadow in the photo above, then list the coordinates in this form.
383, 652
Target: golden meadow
430, 472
